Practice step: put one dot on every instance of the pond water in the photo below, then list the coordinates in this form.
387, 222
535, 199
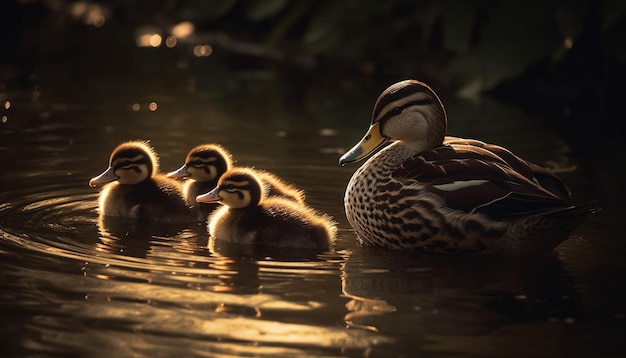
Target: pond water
71, 285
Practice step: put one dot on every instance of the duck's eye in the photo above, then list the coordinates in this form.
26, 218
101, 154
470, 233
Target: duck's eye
229, 187
396, 110
126, 164
197, 163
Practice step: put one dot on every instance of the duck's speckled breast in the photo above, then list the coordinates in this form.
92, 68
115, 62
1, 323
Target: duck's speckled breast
369, 197
398, 213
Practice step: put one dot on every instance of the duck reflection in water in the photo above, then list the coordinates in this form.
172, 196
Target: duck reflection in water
443, 297
239, 264
137, 238
249, 216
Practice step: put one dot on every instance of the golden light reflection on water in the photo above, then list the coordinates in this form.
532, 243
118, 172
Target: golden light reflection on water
5, 118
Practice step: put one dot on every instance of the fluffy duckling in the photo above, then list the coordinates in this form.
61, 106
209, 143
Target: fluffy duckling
430, 192
133, 187
203, 167
249, 216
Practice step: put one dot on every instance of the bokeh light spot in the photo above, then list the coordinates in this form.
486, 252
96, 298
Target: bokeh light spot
170, 41
153, 106
149, 40
202, 50
136, 107
155, 40
7, 105
183, 29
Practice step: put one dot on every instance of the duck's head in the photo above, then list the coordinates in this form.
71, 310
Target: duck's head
130, 163
204, 163
237, 188
407, 111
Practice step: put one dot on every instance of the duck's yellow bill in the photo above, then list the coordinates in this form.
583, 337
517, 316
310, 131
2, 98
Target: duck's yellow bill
372, 140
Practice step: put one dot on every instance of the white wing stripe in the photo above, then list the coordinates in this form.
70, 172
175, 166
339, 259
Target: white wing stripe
460, 184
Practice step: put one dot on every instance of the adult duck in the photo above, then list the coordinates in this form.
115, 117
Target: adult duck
422, 190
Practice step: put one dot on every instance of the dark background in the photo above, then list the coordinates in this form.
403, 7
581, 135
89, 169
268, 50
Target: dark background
563, 61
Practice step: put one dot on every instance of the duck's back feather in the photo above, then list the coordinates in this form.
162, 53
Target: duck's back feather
475, 180
530, 170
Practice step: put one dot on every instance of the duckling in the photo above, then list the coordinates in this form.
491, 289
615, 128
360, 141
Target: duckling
203, 167
423, 190
133, 187
250, 216
206, 163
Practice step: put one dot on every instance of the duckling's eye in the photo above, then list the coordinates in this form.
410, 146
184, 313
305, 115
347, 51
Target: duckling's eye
126, 164
229, 187
197, 163
396, 110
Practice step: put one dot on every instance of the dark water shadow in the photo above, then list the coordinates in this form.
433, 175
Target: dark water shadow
135, 238
413, 296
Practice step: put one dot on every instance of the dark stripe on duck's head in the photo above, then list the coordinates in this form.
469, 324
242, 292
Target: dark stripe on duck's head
245, 180
131, 163
214, 154
135, 153
402, 95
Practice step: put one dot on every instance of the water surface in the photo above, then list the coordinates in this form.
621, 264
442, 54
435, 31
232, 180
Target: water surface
73, 285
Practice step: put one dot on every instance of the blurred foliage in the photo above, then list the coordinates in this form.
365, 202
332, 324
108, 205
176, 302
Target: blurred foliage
470, 45
568, 54
562, 59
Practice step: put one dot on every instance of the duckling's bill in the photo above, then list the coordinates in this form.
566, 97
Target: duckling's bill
372, 140
106, 177
210, 197
179, 173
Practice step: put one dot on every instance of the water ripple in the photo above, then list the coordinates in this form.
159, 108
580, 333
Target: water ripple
131, 282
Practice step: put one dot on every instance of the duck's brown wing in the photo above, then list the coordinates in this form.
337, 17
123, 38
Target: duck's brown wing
474, 180
530, 170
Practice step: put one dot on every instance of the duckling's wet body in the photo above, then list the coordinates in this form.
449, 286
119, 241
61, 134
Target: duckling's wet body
429, 192
134, 189
250, 217
203, 167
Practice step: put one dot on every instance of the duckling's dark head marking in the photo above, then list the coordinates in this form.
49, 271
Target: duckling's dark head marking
204, 163
241, 188
130, 163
